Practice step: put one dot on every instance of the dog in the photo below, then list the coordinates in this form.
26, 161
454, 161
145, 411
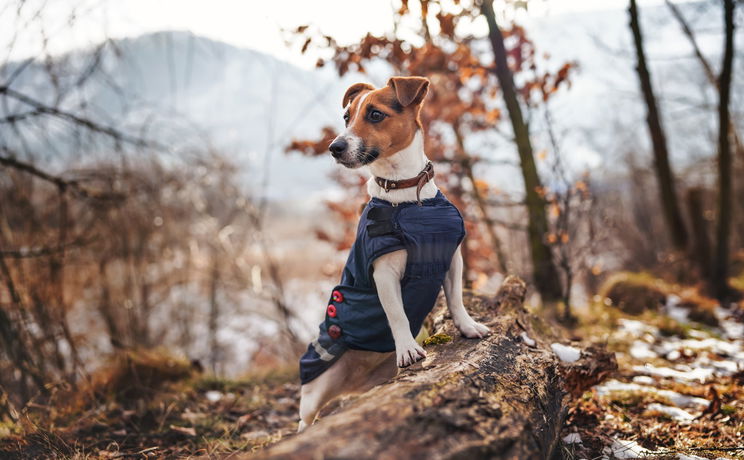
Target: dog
407, 249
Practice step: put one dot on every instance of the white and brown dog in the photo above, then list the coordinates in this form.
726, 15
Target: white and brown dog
384, 133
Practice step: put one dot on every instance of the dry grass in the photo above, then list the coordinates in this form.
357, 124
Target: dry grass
149, 404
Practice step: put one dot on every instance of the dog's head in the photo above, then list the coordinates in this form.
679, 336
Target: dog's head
379, 122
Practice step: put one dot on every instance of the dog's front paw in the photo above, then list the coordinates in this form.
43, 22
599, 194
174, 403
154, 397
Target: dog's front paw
409, 354
473, 329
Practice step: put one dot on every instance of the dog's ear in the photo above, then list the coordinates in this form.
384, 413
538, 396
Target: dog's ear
353, 91
409, 90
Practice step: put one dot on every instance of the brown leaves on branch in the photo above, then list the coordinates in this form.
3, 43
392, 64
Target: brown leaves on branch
313, 147
547, 84
464, 95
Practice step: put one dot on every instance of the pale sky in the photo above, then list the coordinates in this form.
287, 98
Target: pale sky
252, 24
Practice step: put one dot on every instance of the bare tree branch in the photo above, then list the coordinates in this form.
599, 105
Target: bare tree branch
71, 117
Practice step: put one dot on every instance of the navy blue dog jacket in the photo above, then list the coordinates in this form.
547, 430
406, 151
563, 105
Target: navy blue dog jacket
430, 233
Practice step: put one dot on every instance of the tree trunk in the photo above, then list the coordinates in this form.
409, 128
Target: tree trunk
545, 273
495, 398
214, 314
467, 166
723, 228
669, 204
701, 245
738, 145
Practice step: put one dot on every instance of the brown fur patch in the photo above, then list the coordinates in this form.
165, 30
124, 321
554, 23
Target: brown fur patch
394, 132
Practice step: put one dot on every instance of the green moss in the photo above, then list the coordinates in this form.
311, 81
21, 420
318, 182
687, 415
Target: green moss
213, 383
737, 282
437, 339
669, 327
422, 335
634, 293
634, 399
728, 409
703, 315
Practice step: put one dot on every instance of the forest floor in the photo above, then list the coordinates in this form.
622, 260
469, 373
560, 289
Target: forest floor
678, 394
679, 389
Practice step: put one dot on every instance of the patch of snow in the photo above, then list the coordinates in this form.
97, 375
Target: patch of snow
674, 311
572, 438
642, 350
717, 346
673, 355
675, 398
698, 334
686, 375
690, 457
721, 366
626, 449
673, 300
565, 353
636, 328
732, 329
644, 379
527, 339
676, 413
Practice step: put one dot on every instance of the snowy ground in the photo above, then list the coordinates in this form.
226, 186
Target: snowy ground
675, 396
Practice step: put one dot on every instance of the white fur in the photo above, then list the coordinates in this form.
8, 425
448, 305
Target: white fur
358, 370
388, 271
361, 103
404, 164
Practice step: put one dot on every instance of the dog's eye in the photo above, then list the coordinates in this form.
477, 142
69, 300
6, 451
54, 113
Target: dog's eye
376, 116
346, 118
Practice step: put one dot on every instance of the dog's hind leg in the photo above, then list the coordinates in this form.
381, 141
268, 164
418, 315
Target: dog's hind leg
316, 393
453, 292
355, 371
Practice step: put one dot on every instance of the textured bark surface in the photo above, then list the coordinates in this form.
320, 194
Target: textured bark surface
490, 398
545, 272
723, 225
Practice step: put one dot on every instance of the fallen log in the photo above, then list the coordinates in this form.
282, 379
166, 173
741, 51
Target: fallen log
499, 397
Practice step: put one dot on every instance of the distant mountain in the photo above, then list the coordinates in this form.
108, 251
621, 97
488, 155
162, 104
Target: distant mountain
190, 89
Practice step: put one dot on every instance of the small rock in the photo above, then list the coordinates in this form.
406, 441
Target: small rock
527, 339
565, 353
188, 431
255, 435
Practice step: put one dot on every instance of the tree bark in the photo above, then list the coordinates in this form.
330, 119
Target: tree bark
544, 270
738, 145
669, 203
701, 245
467, 166
495, 398
723, 228
214, 314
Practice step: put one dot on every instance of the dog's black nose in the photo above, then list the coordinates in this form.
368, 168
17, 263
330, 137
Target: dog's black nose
338, 147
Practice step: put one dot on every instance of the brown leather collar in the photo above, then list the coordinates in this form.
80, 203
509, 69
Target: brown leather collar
419, 181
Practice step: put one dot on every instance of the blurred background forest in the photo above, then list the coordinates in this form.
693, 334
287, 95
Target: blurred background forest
168, 207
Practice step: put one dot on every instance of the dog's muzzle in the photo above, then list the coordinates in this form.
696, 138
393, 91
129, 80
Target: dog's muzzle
338, 147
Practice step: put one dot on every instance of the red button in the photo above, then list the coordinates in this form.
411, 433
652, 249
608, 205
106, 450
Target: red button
332, 311
334, 331
337, 296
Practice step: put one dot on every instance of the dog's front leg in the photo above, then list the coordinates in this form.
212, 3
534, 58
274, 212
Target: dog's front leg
453, 292
388, 271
